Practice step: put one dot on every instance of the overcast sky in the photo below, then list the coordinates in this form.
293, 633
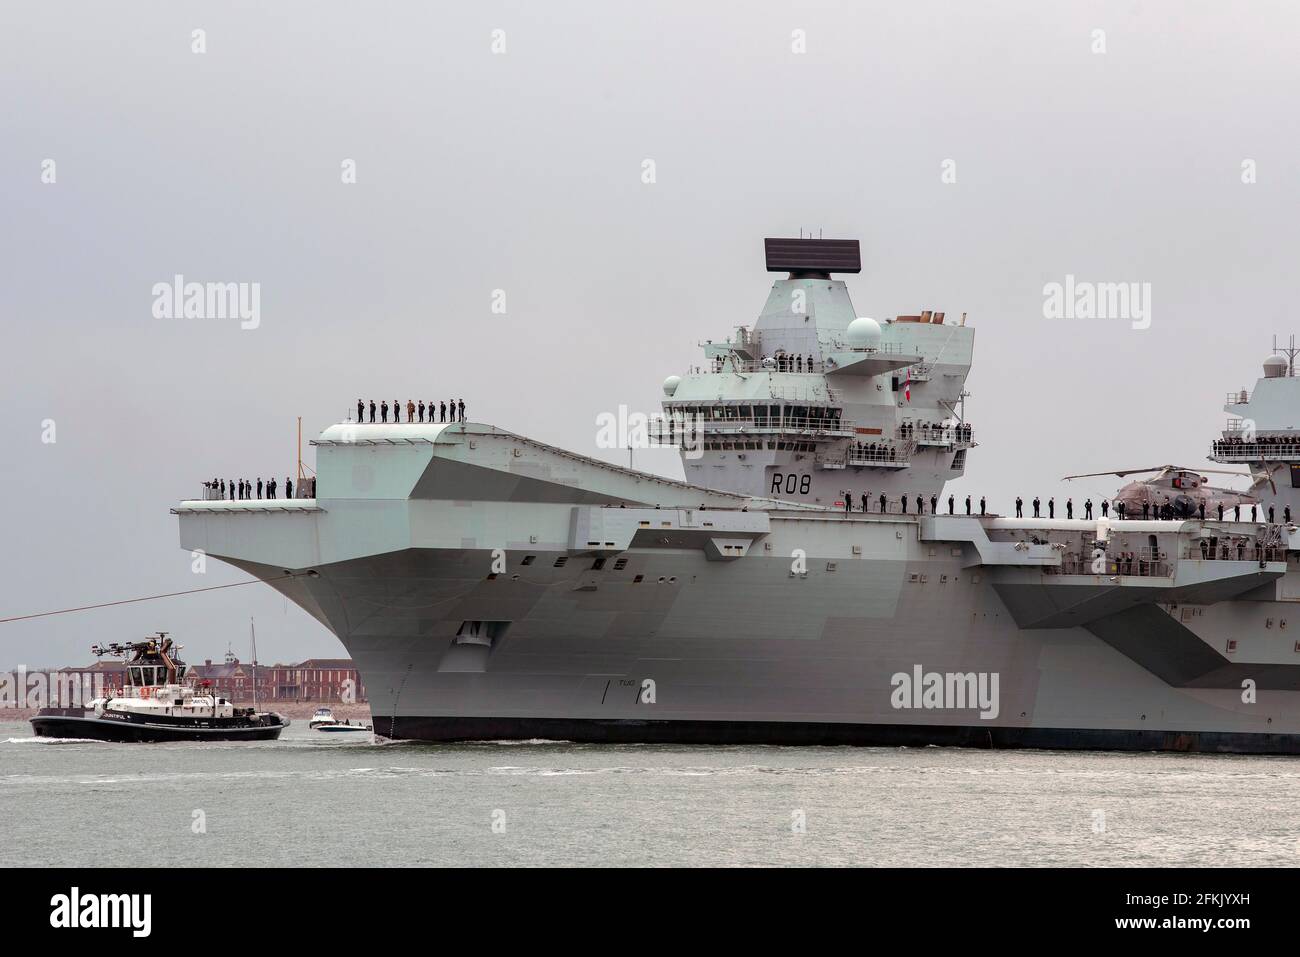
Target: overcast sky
522, 171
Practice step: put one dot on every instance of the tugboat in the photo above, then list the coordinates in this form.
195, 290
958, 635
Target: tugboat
158, 702
323, 720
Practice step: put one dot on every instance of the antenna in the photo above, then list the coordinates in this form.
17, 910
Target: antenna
1290, 352
252, 633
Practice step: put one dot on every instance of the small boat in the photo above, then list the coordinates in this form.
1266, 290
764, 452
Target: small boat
323, 720
157, 702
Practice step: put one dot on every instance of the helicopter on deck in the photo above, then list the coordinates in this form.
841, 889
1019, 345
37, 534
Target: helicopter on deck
1182, 489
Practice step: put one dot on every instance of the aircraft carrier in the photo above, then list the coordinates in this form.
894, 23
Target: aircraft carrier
490, 586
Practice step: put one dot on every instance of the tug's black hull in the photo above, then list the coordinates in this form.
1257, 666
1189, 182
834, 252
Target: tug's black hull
118, 726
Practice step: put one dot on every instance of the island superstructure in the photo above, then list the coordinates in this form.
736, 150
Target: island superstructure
490, 586
1264, 432
813, 401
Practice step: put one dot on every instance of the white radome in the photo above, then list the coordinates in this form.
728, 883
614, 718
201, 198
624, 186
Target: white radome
863, 333
671, 384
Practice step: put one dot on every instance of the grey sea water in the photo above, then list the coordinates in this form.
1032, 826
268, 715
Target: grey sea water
314, 799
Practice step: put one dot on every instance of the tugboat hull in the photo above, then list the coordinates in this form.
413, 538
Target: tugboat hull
118, 726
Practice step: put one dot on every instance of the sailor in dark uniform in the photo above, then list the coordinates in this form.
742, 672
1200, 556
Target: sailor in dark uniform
360, 410
950, 504
1020, 507
383, 411
967, 504
420, 409
372, 410
865, 499
981, 504
884, 503
1069, 508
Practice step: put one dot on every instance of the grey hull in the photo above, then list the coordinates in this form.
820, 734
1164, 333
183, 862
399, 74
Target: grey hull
490, 587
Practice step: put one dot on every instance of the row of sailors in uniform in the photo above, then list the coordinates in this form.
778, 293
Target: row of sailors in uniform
783, 362
413, 410
934, 430
1163, 510
1286, 444
902, 501
244, 488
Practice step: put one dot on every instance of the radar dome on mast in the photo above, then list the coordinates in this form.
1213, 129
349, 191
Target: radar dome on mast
863, 333
671, 384
1275, 367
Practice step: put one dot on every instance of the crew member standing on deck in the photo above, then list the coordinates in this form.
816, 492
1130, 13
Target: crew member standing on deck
1087, 508
383, 411
1105, 507
1069, 508
361, 409
372, 410
848, 502
981, 504
866, 497
884, 503
442, 407
950, 505
462, 409
259, 488
967, 504
420, 407
288, 488
1020, 507
410, 411
1036, 515
1051, 508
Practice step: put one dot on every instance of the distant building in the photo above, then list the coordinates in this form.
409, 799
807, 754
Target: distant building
317, 679
232, 678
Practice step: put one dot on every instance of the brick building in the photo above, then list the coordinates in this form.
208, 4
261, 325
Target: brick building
316, 679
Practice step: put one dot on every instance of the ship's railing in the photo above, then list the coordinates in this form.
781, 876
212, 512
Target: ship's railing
670, 430
890, 454
1254, 451
1136, 565
1240, 397
958, 436
1238, 550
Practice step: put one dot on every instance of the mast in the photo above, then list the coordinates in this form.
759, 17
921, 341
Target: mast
252, 632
